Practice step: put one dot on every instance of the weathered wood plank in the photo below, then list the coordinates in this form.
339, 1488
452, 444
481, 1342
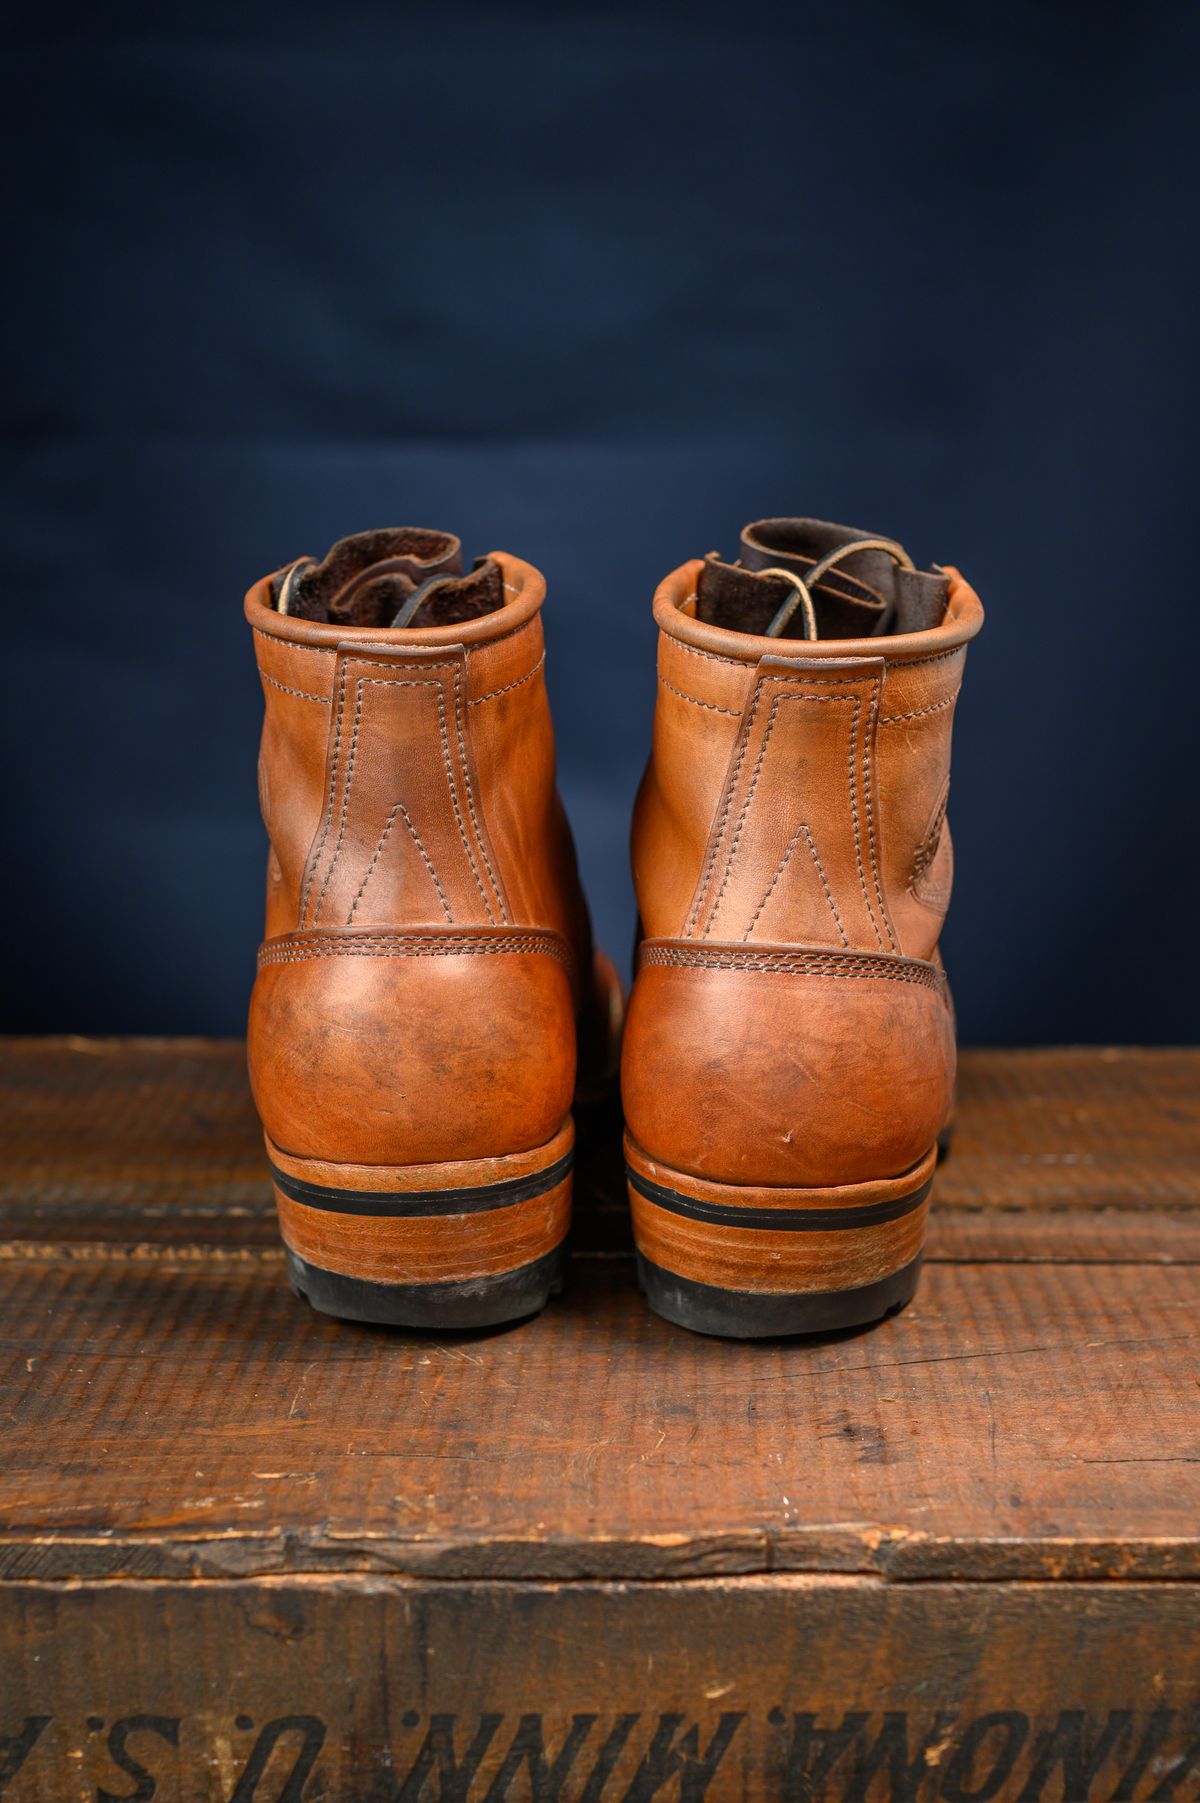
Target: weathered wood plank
247, 1553
173, 1409
183, 1413
735, 1691
130, 1139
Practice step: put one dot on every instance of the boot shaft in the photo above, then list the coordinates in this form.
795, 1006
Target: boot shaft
797, 789
789, 1053
427, 951
407, 775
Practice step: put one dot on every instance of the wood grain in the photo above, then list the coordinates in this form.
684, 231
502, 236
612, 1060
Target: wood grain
251, 1554
173, 1409
357, 1691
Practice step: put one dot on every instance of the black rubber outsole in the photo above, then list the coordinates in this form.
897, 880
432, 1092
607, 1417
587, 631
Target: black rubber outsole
478, 1302
766, 1315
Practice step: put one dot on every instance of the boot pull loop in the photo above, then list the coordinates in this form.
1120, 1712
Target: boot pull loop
804, 584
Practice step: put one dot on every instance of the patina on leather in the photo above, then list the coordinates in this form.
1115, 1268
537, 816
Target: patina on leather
790, 1028
427, 965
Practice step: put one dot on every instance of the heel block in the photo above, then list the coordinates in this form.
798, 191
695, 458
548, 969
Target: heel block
469, 1243
755, 1261
769, 1315
473, 1302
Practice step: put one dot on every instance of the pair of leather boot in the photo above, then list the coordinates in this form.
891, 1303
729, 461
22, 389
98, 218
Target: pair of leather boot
429, 1003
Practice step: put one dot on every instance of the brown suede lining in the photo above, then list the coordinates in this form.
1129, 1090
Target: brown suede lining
868, 596
366, 579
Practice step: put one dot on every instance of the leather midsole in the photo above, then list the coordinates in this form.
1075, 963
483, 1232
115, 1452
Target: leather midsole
745, 1237
396, 1182
415, 1224
778, 1219
412, 1203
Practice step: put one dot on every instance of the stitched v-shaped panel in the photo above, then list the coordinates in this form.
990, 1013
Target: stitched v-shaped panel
793, 855
400, 840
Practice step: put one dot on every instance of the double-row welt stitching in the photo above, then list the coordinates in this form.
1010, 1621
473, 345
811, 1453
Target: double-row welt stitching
841, 967
400, 945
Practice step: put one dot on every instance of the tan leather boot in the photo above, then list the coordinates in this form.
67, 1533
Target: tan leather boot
789, 1054
427, 965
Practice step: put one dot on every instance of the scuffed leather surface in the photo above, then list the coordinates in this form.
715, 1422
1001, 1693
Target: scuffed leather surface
794, 802
365, 1051
768, 1076
427, 944
721, 694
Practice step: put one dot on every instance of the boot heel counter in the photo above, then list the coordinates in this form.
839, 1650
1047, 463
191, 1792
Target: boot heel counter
406, 1048
786, 1068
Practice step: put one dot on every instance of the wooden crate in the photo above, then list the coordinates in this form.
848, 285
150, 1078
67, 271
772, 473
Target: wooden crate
249, 1553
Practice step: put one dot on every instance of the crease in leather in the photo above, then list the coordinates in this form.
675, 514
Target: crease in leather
427, 971
448, 943
790, 1022
794, 960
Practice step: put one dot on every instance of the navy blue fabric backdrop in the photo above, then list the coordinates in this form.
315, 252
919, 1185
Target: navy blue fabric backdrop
594, 285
